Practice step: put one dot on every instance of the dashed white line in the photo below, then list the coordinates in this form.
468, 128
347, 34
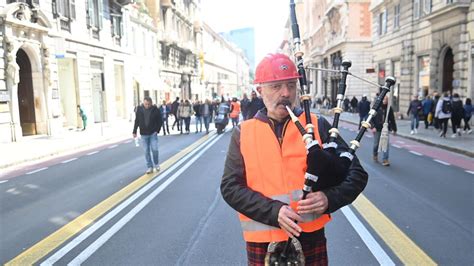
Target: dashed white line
441, 162
113, 146
470, 172
416, 153
92, 153
396, 146
128, 141
369, 136
3, 181
70, 160
401, 142
37, 170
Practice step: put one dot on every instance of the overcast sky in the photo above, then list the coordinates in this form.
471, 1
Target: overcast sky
268, 17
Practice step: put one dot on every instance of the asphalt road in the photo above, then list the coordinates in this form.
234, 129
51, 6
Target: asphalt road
181, 218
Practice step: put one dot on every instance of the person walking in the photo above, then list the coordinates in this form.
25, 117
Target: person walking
443, 113
244, 106
234, 112
185, 111
427, 104
174, 111
164, 109
379, 120
354, 104
206, 111
266, 163
198, 116
149, 119
457, 115
256, 103
436, 98
413, 111
467, 116
83, 116
364, 108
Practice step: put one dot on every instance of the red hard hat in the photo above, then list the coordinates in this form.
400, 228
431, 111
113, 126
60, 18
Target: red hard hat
275, 67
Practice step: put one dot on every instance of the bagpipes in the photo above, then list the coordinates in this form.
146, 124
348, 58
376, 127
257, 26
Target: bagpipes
325, 166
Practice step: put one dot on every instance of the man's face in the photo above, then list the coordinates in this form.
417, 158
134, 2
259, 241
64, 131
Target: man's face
254, 95
276, 95
146, 104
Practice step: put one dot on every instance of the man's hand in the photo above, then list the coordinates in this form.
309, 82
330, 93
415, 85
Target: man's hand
315, 202
134, 135
286, 218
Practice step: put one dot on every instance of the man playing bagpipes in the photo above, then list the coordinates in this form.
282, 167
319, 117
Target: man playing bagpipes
266, 166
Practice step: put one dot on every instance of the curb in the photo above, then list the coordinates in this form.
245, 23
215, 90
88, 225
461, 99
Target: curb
403, 135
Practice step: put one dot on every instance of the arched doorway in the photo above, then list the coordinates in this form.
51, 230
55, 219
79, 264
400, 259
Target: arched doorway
448, 67
26, 102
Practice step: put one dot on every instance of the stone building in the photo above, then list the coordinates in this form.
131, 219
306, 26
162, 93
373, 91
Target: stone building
428, 45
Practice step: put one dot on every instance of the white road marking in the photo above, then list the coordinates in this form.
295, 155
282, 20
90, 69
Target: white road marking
3, 181
99, 223
37, 170
416, 153
441, 162
128, 141
122, 222
396, 146
369, 136
92, 153
70, 160
470, 172
113, 146
401, 142
368, 239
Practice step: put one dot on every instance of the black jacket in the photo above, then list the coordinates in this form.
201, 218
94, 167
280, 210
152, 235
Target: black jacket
265, 210
253, 107
379, 119
156, 121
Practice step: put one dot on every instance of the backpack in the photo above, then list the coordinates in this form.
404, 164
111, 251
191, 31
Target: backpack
446, 107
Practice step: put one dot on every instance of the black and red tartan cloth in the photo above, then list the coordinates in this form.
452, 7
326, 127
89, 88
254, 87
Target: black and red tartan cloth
314, 249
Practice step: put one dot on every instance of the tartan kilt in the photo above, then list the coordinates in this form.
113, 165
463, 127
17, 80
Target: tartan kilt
314, 249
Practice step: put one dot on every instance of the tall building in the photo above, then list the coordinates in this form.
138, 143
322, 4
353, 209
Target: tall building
427, 45
245, 40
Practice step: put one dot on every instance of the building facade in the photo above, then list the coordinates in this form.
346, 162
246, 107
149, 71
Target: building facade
426, 44
332, 31
224, 67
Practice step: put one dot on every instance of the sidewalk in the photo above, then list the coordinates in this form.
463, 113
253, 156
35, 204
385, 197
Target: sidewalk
463, 144
42, 146
38, 147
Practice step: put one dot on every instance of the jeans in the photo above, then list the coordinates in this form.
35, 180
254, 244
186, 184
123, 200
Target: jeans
415, 121
466, 123
443, 124
198, 121
207, 120
235, 121
150, 145
377, 135
165, 126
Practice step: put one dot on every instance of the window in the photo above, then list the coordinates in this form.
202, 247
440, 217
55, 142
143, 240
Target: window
426, 6
64, 8
29, 2
416, 9
396, 17
94, 13
383, 23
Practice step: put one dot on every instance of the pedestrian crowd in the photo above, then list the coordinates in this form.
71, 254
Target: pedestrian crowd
150, 119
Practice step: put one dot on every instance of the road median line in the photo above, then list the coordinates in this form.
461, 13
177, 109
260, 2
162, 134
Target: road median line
406, 250
56, 239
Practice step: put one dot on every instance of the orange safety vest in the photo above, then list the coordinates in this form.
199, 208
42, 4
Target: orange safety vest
277, 172
235, 110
